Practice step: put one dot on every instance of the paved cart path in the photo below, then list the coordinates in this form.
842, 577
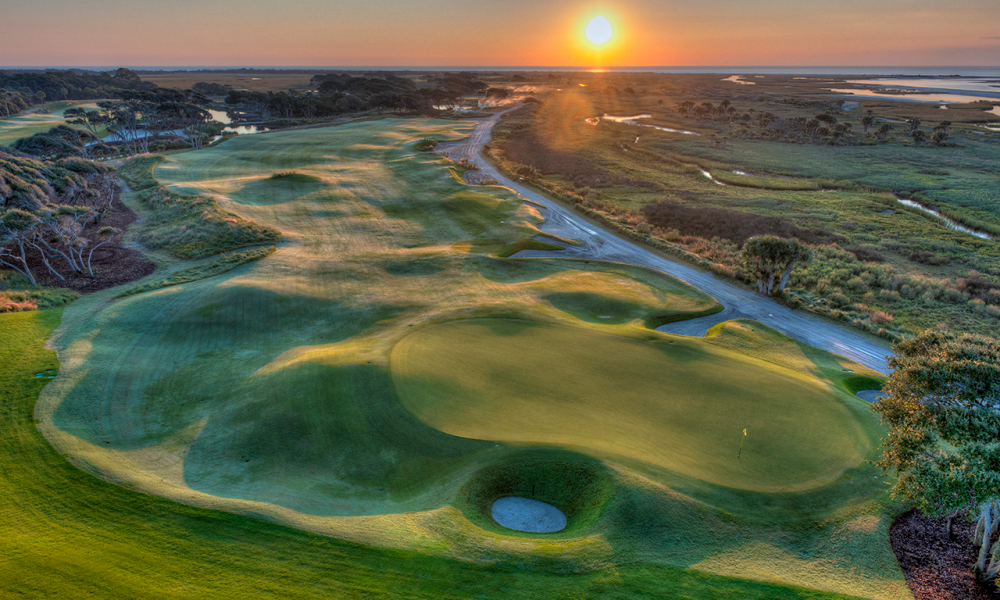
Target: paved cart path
597, 243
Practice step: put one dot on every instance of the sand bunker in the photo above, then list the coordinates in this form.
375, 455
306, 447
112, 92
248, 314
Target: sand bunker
525, 514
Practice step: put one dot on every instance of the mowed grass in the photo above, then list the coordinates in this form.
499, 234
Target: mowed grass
676, 403
268, 390
64, 533
16, 127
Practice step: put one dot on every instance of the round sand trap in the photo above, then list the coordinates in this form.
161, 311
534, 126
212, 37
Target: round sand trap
871, 395
525, 514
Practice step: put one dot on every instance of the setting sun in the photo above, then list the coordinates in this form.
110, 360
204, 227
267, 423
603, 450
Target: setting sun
599, 30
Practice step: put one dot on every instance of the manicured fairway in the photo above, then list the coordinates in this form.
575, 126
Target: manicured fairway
19, 126
270, 390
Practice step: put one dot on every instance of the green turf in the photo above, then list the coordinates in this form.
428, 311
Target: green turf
673, 402
267, 390
65, 533
19, 126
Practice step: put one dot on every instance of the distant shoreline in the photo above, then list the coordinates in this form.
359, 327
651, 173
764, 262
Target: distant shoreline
898, 71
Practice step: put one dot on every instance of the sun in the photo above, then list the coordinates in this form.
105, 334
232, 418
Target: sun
599, 30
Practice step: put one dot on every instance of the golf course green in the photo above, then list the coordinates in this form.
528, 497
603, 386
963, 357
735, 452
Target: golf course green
680, 404
385, 375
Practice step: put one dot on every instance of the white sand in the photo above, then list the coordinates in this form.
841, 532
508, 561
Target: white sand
525, 514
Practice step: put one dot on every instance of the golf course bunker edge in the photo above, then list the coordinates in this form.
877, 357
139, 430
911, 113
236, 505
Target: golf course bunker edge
530, 516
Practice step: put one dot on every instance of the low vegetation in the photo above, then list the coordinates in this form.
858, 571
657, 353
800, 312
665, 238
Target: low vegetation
881, 266
18, 294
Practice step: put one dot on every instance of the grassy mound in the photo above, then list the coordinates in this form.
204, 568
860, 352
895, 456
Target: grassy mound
188, 226
295, 177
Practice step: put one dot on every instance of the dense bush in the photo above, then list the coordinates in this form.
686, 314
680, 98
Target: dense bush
733, 225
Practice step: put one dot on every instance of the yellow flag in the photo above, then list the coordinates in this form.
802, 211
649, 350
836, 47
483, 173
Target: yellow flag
744, 432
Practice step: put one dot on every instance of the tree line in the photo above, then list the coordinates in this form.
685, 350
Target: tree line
339, 93
20, 91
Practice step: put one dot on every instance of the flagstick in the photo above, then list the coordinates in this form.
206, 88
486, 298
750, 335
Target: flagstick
742, 439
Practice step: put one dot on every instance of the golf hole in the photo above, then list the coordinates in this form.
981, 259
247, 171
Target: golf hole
525, 514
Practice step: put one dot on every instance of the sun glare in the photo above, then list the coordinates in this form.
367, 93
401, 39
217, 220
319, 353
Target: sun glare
599, 30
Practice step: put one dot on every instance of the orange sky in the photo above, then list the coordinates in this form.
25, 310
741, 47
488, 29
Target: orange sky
513, 33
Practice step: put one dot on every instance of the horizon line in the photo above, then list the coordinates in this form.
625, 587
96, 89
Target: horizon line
485, 67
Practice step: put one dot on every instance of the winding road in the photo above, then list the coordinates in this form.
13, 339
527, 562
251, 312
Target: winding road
598, 244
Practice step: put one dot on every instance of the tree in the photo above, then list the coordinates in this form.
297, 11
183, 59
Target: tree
883, 131
767, 255
867, 121
16, 228
919, 137
829, 120
812, 125
6, 95
942, 408
914, 124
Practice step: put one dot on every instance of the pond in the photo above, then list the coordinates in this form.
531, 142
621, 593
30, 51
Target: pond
634, 120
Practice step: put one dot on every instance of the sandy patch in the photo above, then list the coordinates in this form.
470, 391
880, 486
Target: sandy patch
525, 514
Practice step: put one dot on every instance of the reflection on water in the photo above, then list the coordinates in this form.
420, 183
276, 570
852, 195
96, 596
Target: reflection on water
709, 175
220, 116
634, 121
244, 129
737, 79
948, 222
988, 87
937, 98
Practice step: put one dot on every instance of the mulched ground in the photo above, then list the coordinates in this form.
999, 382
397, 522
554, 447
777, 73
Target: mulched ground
113, 263
936, 567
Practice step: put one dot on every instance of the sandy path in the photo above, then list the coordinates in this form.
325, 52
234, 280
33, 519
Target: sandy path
597, 243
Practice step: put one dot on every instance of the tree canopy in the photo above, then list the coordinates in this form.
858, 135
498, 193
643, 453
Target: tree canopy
765, 256
943, 412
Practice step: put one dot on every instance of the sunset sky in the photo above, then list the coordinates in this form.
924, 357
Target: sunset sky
512, 33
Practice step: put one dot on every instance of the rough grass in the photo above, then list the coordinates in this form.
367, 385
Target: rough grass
66, 533
216, 266
187, 226
16, 294
268, 390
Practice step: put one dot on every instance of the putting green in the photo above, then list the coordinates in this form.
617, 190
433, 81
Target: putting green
678, 404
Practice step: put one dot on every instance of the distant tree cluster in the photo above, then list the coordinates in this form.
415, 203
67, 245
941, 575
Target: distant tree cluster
824, 128
140, 117
211, 89
339, 93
